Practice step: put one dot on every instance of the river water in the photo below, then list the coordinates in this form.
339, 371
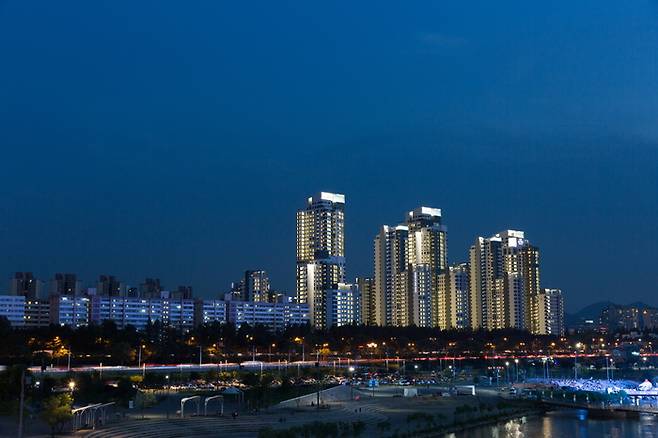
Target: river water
567, 423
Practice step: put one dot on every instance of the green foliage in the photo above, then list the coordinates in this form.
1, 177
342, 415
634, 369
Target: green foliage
56, 412
250, 379
116, 346
358, 427
125, 391
383, 426
145, 399
10, 387
316, 429
420, 417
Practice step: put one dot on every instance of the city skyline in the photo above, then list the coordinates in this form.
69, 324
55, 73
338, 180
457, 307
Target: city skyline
224, 286
411, 282
328, 218
146, 148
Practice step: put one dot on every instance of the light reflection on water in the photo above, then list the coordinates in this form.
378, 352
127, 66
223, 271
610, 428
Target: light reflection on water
567, 423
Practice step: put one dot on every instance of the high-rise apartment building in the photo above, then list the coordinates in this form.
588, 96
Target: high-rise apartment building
454, 304
408, 260
368, 300
320, 252
550, 312
25, 284
427, 254
183, 292
401, 312
65, 284
343, 305
109, 286
151, 288
516, 310
256, 286
504, 275
529, 255
390, 260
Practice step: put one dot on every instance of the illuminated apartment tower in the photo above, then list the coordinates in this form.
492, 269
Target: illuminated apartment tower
390, 262
454, 304
256, 286
427, 253
550, 312
504, 271
343, 305
320, 252
529, 255
368, 300
486, 273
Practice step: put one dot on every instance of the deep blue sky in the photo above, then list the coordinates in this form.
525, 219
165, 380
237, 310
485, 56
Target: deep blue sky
177, 139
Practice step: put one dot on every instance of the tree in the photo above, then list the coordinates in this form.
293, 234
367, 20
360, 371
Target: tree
56, 412
383, 426
122, 352
125, 391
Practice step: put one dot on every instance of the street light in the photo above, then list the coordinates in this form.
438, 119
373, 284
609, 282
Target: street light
139, 356
575, 362
72, 385
516, 367
351, 370
507, 371
167, 396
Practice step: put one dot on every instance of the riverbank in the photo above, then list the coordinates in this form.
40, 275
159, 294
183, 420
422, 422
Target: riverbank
537, 412
480, 422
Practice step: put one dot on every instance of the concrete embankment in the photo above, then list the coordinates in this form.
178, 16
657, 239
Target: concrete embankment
336, 394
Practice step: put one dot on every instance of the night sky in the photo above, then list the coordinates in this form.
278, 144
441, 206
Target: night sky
177, 139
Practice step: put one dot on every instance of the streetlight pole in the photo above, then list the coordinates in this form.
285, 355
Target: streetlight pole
516, 368
167, 396
200, 356
575, 362
139, 357
351, 370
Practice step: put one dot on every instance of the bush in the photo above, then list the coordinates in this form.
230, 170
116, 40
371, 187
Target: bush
56, 412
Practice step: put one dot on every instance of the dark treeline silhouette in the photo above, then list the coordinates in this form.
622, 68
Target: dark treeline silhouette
111, 345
